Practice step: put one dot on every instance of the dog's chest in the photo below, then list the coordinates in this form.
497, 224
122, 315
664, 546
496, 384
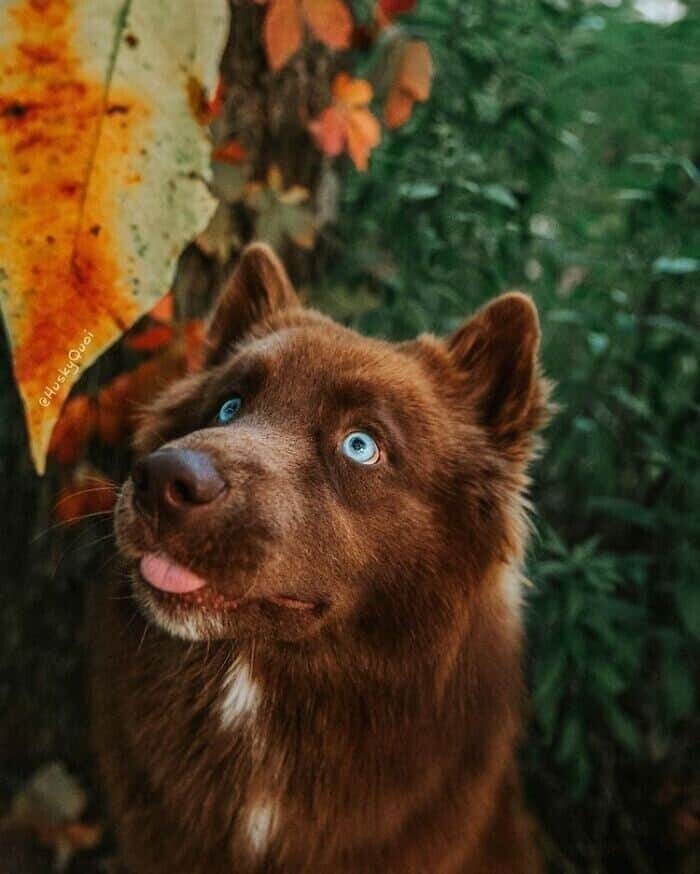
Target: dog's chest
184, 735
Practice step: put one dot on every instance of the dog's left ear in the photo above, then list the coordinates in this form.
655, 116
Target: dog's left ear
258, 288
497, 351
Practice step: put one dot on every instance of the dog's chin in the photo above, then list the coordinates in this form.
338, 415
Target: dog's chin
181, 616
187, 607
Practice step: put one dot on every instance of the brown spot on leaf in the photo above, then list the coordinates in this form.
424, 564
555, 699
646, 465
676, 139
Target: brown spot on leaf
14, 110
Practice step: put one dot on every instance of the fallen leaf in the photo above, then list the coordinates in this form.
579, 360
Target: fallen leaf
347, 124
330, 21
98, 147
411, 82
50, 806
280, 212
51, 796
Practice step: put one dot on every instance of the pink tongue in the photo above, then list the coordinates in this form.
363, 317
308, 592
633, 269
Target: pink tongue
167, 576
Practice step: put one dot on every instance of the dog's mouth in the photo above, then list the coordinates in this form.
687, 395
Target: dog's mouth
174, 583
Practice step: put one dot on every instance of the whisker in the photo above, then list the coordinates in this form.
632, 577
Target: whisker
83, 492
143, 637
65, 522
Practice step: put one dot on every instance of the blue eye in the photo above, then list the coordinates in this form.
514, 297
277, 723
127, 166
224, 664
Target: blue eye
360, 447
229, 410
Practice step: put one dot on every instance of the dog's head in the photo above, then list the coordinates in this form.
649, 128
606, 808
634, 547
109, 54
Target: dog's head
310, 483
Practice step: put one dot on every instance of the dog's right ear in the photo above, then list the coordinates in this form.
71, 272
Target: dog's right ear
258, 288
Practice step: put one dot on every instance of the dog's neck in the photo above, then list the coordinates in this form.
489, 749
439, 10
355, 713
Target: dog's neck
447, 675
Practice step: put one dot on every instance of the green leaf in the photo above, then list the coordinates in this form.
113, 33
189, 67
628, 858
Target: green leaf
418, 190
676, 266
499, 194
623, 729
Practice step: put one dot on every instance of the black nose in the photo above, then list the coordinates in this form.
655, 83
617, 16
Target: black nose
173, 481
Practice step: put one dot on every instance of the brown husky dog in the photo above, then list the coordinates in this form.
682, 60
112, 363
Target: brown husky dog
314, 664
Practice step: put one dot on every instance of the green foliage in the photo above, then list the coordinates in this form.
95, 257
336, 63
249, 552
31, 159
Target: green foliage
559, 153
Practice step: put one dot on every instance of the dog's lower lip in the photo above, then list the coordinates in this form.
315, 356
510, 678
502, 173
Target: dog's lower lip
168, 576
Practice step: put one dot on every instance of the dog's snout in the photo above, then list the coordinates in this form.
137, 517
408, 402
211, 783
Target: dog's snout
174, 481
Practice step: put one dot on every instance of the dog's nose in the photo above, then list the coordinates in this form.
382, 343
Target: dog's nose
173, 481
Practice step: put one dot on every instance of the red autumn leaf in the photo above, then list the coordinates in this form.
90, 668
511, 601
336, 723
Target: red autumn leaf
282, 31
150, 339
232, 152
74, 428
330, 21
412, 81
347, 124
392, 8
164, 310
330, 131
86, 492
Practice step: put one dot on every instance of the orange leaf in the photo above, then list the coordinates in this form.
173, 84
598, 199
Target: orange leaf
364, 133
347, 123
74, 428
398, 108
163, 311
412, 82
282, 31
150, 339
351, 92
329, 131
232, 152
330, 21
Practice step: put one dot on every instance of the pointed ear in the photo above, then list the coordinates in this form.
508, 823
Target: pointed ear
258, 288
497, 350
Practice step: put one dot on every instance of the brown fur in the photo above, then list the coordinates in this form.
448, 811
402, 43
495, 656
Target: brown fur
368, 606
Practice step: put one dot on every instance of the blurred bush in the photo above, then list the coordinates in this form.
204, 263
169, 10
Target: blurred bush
559, 153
